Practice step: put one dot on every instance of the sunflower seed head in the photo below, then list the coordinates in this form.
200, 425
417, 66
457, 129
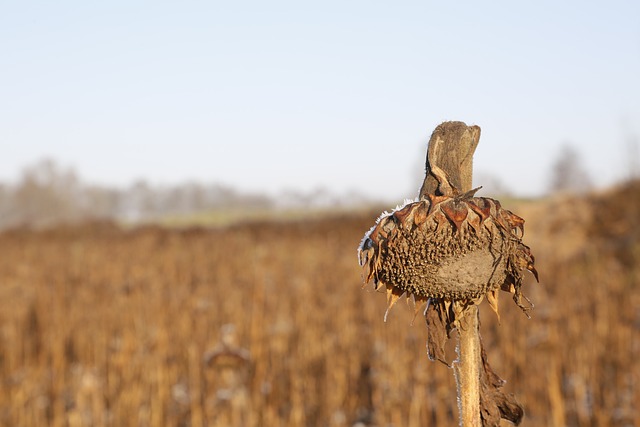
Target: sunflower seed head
453, 248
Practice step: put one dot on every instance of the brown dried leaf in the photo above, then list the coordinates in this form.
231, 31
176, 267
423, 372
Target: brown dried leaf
403, 216
418, 302
420, 213
435, 201
494, 403
481, 207
492, 298
473, 219
437, 334
515, 222
455, 211
393, 295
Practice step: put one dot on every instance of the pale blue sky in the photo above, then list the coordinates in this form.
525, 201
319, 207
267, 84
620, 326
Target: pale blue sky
337, 94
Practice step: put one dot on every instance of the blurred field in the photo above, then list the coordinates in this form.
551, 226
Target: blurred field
107, 327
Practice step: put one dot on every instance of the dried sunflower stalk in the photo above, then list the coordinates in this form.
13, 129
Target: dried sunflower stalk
451, 252
454, 250
450, 249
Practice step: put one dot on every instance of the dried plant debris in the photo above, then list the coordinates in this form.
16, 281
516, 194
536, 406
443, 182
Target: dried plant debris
448, 251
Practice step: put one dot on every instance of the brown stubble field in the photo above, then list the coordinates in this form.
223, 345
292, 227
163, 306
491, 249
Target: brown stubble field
101, 326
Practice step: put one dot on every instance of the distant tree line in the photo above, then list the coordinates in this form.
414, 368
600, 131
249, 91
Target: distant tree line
47, 194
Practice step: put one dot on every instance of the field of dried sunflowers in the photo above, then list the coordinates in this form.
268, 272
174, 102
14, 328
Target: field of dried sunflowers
266, 324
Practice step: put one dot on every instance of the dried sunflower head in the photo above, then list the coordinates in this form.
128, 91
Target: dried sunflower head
451, 249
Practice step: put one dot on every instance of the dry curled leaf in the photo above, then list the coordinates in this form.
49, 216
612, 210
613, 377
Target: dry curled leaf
494, 403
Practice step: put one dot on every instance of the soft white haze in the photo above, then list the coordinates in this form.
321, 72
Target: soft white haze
338, 94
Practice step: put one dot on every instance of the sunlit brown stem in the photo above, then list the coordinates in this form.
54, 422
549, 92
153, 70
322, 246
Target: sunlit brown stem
467, 369
449, 170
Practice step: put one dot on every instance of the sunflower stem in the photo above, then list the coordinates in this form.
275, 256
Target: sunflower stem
449, 164
467, 369
449, 171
